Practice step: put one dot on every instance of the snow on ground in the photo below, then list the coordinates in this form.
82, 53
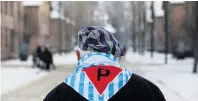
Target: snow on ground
146, 59
18, 62
174, 79
65, 58
14, 77
177, 78
15, 73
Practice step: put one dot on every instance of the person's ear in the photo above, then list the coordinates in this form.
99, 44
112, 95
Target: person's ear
77, 54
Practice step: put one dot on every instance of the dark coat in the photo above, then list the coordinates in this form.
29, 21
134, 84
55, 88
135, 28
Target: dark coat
45, 56
136, 89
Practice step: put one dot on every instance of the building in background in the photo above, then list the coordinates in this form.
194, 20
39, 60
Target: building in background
159, 34
12, 28
62, 27
190, 25
60, 32
54, 39
177, 33
37, 23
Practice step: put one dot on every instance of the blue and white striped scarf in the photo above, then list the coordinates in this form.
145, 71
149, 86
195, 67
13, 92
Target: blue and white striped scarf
81, 83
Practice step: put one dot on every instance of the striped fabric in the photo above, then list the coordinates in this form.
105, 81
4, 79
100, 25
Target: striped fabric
94, 38
81, 83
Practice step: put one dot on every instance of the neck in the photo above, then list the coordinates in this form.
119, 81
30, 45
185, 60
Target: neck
97, 58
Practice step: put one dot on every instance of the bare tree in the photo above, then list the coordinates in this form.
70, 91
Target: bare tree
119, 19
152, 28
134, 25
191, 27
166, 30
195, 40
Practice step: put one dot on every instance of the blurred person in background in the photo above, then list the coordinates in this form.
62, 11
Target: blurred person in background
99, 77
43, 58
35, 56
23, 53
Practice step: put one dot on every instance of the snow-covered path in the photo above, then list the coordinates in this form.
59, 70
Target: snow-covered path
12, 77
16, 73
174, 79
37, 90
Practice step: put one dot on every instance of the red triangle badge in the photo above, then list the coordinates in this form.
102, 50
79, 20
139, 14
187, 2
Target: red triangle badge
101, 76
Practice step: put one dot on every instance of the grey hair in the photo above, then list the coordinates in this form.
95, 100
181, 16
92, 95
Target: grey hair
82, 52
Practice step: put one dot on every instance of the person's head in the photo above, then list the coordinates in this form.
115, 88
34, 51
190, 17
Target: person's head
96, 39
43, 48
48, 46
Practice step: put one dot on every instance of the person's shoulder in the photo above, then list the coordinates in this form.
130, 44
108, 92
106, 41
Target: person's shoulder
63, 92
62, 85
56, 92
141, 82
138, 78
